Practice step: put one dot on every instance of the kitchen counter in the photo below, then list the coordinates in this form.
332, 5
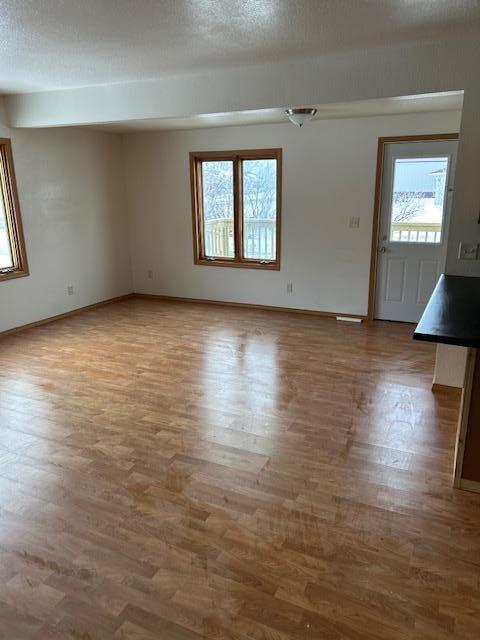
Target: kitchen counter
452, 315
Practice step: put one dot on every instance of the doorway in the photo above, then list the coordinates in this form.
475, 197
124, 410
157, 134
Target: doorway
413, 200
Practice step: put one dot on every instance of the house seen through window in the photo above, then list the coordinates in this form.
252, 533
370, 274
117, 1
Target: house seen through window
418, 199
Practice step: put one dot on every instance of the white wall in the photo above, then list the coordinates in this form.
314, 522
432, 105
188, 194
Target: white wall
421, 67
450, 365
328, 174
73, 209
465, 219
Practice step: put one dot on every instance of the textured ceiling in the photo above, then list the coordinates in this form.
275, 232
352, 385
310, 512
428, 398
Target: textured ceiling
451, 101
54, 44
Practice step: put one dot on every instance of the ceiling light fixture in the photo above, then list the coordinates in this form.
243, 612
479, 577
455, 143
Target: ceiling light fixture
300, 116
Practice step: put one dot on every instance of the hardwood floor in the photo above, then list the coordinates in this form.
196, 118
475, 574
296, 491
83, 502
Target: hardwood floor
178, 471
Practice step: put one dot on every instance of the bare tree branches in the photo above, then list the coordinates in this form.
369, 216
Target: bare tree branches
259, 178
259, 189
217, 189
407, 205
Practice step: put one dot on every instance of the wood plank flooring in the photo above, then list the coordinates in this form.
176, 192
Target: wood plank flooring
179, 471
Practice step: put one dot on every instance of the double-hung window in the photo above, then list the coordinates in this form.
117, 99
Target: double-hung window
236, 202
13, 259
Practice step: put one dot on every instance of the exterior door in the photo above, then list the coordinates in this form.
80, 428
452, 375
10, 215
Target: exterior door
416, 195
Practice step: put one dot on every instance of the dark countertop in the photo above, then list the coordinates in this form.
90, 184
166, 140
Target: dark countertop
452, 315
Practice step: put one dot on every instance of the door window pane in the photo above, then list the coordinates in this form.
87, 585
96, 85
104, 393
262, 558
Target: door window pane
260, 209
6, 260
217, 180
418, 200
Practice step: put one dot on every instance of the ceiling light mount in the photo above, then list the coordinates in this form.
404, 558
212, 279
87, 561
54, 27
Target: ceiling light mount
300, 116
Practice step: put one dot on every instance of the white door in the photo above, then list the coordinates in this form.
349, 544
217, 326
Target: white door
416, 197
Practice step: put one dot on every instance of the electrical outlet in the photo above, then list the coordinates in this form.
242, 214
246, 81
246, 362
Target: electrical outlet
289, 287
70, 290
467, 251
150, 274
354, 222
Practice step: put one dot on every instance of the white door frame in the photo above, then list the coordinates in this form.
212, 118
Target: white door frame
378, 202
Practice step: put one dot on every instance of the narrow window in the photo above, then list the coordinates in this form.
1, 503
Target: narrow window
236, 200
217, 206
419, 199
13, 259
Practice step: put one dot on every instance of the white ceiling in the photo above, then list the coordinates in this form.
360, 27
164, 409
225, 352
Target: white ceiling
451, 101
57, 44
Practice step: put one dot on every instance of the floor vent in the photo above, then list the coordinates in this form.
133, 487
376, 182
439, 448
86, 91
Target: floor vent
349, 319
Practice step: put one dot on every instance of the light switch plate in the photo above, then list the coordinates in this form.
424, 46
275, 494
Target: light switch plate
354, 222
467, 251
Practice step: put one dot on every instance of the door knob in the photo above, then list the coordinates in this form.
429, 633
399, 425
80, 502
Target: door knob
382, 250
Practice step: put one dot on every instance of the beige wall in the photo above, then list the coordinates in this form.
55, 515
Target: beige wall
328, 175
74, 216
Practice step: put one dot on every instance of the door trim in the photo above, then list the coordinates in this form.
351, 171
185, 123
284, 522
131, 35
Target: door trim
378, 202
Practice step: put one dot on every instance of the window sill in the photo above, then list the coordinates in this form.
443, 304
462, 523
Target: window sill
11, 275
244, 264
